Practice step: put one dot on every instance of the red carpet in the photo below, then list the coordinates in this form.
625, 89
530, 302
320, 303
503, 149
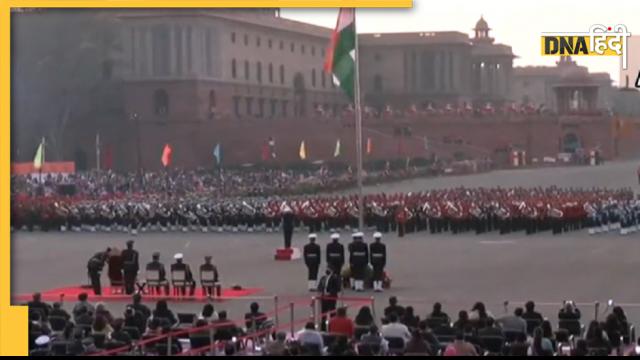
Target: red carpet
71, 294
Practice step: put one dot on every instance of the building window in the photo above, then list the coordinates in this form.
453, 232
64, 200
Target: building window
246, 40
274, 104
246, 70
285, 105
322, 53
313, 77
313, 51
249, 102
271, 73
270, 43
282, 74
160, 102
293, 47
236, 105
260, 107
259, 72
234, 71
281, 45
258, 41
212, 101
233, 37
377, 84
324, 79
160, 50
302, 49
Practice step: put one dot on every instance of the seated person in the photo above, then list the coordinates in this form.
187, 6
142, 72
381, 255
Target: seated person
309, 337
58, 311
437, 313
395, 329
163, 314
393, 308
569, 312
224, 329
38, 305
491, 329
254, 318
341, 324
156, 265
209, 267
179, 265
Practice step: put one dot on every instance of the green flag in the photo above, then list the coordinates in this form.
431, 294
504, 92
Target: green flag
38, 160
340, 60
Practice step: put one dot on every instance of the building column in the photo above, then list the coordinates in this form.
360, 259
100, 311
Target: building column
437, 72
149, 50
172, 53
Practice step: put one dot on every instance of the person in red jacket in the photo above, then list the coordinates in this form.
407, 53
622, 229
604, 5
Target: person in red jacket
341, 324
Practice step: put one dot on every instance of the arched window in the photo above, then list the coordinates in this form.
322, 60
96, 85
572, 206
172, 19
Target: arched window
259, 71
281, 74
313, 77
271, 73
246, 70
324, 79
234, 70
160, 102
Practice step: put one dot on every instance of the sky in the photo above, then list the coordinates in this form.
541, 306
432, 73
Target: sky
518, 23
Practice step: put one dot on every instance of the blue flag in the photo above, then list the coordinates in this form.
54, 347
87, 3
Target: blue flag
217, 153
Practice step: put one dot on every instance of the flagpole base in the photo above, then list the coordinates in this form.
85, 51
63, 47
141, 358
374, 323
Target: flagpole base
289, 254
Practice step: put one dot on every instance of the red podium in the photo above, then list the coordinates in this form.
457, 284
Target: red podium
287, 254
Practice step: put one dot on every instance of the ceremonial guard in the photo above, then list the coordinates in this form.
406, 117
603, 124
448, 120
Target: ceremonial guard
329, 289
130, 267
179, 265
312, 257
378, 256
335, 254
156, 265
358, 260
94, 266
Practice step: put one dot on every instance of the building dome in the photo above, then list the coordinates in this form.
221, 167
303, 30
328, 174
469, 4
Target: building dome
482, 24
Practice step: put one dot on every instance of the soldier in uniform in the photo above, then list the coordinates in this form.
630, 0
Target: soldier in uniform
312, 257
378, 256
358, 260
208, 266
94, 266
329, 289
130, 267
335, 254
156, 265
179, 265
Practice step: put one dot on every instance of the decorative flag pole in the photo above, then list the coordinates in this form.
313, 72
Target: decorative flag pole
342, 63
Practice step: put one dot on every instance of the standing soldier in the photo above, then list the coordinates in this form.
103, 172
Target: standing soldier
130, 266
287, 224
378, 255
312, 258
335, 254
94, 267
358, 260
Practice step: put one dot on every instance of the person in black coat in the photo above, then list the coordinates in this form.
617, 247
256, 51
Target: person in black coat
312, 258
288, 219
329, 289
130, 267
156, 265
181, 266
358, 260
378, 259
335, 254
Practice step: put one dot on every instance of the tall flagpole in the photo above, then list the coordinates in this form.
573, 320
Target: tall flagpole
356, 95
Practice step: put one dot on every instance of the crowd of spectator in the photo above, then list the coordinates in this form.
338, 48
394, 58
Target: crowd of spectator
93, 329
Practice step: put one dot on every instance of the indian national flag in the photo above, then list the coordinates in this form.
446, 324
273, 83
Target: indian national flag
340, 60
38, 160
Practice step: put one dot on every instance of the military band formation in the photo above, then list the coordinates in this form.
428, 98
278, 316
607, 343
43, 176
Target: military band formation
459, 210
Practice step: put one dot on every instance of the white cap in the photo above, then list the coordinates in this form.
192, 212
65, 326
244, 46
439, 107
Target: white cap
335, 236
358, 234
43, 340
313, 236
377, 235
178, 256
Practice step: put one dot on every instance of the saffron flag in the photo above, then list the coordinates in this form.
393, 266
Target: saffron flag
166, 155
341, 54
303, 151
217, 153
38, 160
336, 152
369, 146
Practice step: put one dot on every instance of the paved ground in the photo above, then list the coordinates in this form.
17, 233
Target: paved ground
455, 270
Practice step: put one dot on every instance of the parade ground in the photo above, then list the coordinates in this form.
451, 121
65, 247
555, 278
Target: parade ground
456, 270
